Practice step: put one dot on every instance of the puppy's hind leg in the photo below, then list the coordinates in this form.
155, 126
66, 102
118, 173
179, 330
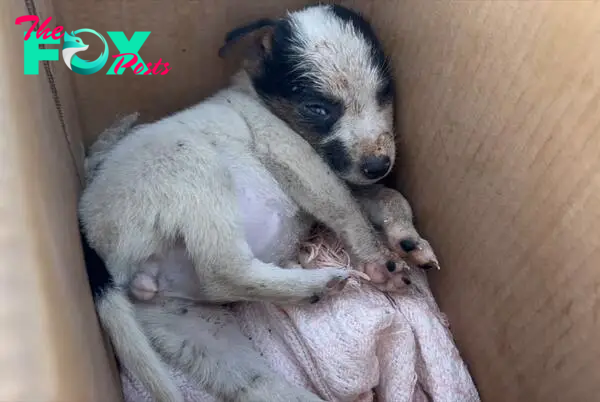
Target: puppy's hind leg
229, 272
229, 368
226, 268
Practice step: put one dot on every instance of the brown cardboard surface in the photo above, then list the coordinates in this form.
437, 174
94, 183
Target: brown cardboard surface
60, 86
185, 33
499, 121
499, 133
51, 345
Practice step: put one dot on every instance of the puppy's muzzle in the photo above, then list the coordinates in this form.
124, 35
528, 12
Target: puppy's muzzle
375, 167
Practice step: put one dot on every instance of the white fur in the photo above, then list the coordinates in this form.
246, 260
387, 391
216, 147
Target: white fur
338, 60
334, 50
203, 181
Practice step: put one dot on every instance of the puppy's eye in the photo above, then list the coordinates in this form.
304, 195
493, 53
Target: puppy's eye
317, 110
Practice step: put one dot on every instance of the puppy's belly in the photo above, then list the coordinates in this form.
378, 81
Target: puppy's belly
273, 224
273, 227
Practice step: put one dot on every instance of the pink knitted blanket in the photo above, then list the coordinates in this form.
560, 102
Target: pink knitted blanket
358, 346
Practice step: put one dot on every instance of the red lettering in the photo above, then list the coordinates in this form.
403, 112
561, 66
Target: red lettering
42, 30
130, 63
28, 18
148, 71
138, 69
57, 31
161, 70
157, 65
166, 69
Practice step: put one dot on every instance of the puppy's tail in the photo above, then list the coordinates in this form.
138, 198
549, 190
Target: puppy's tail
117, 317
106, 141
132, 346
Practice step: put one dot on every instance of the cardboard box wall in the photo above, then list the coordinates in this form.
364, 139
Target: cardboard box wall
498, 127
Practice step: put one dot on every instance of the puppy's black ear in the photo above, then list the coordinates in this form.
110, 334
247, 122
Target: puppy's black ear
235, 35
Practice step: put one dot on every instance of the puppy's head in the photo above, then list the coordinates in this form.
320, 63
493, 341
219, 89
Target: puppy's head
323, 71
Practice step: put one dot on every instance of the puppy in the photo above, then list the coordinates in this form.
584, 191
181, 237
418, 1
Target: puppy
172, 276
235, 182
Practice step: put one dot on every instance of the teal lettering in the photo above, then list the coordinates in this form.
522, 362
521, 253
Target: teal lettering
33, 54
128, 46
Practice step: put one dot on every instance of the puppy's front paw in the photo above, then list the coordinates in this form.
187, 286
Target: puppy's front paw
410, 246
419, 252
380, 267
390, 277
327, 281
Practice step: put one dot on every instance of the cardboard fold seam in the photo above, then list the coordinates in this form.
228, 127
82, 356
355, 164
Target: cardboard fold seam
50, 78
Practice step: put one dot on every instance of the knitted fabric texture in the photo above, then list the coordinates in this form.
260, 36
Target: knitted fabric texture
360, 345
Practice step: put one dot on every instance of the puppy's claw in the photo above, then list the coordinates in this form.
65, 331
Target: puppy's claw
430, 265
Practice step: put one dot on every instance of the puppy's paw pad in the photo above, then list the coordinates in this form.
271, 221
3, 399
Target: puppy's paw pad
382, 272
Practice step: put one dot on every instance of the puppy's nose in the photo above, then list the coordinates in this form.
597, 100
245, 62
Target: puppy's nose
408, 245
375, 167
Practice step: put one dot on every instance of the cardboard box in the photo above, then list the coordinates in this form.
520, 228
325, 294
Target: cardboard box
498, 126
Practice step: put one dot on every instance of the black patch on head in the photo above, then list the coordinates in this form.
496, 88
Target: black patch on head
311, 103
336, 155
283, 76
385, 93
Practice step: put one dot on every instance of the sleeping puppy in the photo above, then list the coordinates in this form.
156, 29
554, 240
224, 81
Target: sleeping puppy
235, 182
